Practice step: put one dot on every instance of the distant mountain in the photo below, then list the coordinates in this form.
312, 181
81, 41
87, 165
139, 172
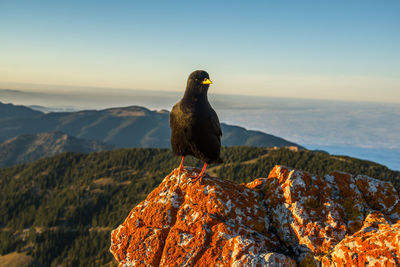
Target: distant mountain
132, 126
52, 109
29, 147
235, 135
10, 111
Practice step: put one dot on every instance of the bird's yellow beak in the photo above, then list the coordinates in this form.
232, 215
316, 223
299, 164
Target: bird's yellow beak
206, 81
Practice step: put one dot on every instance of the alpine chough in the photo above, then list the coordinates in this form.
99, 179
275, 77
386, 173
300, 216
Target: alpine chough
195, 128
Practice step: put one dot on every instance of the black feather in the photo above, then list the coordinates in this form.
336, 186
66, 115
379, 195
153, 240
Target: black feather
195, 128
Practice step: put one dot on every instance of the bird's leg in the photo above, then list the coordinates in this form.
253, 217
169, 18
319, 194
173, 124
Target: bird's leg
181, 166
201, 174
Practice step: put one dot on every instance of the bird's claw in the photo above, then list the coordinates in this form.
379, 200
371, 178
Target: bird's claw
198, 177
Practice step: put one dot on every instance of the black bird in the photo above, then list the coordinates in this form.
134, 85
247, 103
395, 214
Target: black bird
195, 128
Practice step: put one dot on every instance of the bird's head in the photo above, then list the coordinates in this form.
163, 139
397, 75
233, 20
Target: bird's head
198, 82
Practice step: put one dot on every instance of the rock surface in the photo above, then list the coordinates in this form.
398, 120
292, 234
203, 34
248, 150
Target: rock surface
289, 218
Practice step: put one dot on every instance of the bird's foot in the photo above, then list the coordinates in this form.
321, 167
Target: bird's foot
198, 177
201, 174
180, 169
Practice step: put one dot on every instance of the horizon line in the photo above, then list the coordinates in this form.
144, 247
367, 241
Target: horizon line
30, 90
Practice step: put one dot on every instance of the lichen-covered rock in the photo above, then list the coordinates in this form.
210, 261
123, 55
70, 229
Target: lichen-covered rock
303, 211
376, 244
184, 224
380, 195
291, 216
313, 214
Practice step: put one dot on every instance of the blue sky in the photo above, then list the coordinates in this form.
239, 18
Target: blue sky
346, 50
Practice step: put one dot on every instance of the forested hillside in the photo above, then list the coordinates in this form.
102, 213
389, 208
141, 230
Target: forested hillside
60, 210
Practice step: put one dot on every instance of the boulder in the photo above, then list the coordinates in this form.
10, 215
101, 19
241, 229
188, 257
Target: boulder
292, 217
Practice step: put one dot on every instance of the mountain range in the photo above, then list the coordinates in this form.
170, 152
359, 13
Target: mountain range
124, 127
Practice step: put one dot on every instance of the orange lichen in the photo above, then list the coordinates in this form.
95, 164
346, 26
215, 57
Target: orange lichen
377, 243
338, 219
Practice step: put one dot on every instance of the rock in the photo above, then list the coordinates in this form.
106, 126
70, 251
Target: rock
376, 244
290, 217
180, 223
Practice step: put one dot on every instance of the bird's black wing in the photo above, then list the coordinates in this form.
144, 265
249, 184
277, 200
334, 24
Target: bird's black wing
216, 125
175, 130
181, 135
206, 137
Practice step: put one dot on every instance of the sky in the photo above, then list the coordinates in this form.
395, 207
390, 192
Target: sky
338, 50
